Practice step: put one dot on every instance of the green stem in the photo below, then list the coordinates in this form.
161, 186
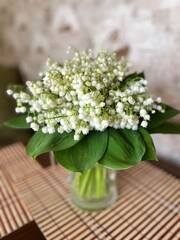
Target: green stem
84, 183
92, 184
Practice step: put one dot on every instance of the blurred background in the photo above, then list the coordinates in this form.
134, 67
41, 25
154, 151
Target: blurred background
145, 32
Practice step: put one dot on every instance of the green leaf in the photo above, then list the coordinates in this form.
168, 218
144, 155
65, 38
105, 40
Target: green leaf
17, 122
85, 154
45, 142
142, 75
158, 118
150, 153
132, 78
135, 75
125, 149
166, 128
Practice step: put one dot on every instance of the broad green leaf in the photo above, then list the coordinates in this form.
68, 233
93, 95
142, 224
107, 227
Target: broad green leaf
125, 149
45, 142
150, 153
159, 118
85, 154
17, 122
166, 128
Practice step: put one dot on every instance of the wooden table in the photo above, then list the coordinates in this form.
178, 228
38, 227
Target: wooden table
147, 207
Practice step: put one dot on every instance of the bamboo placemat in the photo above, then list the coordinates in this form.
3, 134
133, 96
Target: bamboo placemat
15, 162
147, 207
14, 213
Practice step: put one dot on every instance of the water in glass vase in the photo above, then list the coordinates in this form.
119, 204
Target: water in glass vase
95, 190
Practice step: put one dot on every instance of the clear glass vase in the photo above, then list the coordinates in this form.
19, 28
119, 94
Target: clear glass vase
94, 190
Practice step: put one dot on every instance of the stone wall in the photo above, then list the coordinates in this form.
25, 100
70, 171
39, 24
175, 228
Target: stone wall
147, 32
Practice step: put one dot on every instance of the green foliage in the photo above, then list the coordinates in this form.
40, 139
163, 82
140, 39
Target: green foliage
150, 153
166, 128
135, 76
159, 118
18, 122
45, 142
112, 148
125, 149
85, 154
132, 78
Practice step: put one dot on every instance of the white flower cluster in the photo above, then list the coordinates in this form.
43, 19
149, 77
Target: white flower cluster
86, 93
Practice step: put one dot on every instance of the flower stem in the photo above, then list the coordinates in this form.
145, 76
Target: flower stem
92, 184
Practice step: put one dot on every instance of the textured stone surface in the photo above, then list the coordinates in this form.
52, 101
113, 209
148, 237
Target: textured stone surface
149, 31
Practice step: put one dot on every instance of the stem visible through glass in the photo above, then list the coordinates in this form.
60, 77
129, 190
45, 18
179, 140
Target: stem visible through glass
92, 184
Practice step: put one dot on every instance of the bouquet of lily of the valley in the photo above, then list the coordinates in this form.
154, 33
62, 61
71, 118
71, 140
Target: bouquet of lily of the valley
90, 110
